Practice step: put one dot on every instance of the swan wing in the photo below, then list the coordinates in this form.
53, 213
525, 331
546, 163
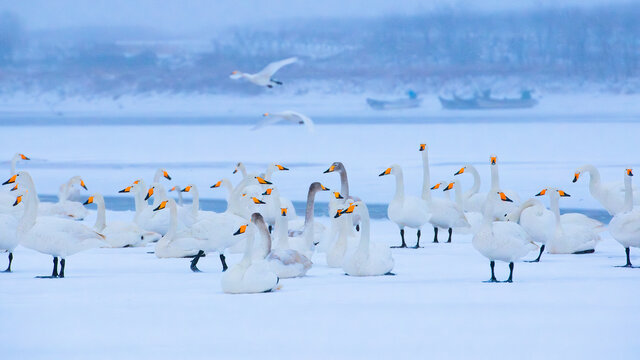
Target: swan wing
272, 68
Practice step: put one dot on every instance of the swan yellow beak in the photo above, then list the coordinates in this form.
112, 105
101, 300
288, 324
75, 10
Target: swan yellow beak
268, 191
330, 169
449, 187
504, 197
283, 211
324, 188
629, 172
187, 189
89, 201
461, 171
263, 181
172, 189
18, 200
126, 190
162, 205
281, 168
563, 194
338, 195
257, 201
542, 192
14, 188
576, 176
241, 230
83, 185
23, 157
423, 147
386, 172
216, 185
166, 174
265, 114
436, 186
149, 194
11, 180
494, 160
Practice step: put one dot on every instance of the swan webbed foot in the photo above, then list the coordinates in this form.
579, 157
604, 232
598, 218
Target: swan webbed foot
582, 252
532, 261
492, 280
507, 281
194, 262
389, 273
627, 266
404, 244
417, 246
493, 274
399, 246
46, 277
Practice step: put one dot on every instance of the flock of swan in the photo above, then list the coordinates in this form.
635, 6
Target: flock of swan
263, 225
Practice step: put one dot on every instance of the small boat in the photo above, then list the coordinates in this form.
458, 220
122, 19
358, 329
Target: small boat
405, 103
485, 101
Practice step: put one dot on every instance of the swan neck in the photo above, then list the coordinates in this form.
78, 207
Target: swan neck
344, 183
195, 206
31, 206
308, 216
266, 237
495, 178
426, 177
628, 194
14, 160
365, 228
476, 180
101, 217
282, 231
180, 199
554, 204
399, 184
173, 221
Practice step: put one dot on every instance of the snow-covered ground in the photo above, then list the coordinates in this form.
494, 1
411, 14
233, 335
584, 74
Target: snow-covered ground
127, 304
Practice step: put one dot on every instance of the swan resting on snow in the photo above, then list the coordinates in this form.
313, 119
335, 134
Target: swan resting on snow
287, 115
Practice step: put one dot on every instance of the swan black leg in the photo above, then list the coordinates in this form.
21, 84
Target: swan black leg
270, 229
224, 263
404, 244
628, 264
510, 279
493, 274
62, 262
54, 274
194, 261
539, 255
435, 234
418, 243
8, 270
450, 232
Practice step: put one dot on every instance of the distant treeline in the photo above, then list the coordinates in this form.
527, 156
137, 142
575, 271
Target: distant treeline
571, 45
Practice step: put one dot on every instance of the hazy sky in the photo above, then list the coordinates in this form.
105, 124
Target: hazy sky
190, 16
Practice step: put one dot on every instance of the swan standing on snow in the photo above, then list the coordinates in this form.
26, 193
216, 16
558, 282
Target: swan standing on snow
610, 195
472, 199
265, 76
178, 245
625, 225
569, 237
501, 240
405, 211
285, 262
370, 258
57, 237
119, 234
8, 226
287, 115
252, 274
537, 221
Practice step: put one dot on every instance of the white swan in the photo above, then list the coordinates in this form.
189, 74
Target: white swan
405, 211
610, 195
370, 258
152, 220
625, 225
286, 263
537, 221
265, 76
249, 275
57, 237
161, 173
290, 116
472, 200
569, 237
500, 207
447, 214
501, 240
8, 226
118, 234
14, 160
176, 244
346, 238
68, 191
65, 208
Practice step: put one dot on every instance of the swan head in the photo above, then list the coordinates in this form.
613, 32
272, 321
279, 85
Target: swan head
461, 171
280, 167
263, 181
449, 186
628, 172
257, 201
150, 193
235, 74
336, 166
175, 188
89, 201
18, 200
126, 190
283, 211
493, 159
188, 188
337, 195
423, 147
19, 156
217, 185
265, 114
348, 210
504, 197
438, 185
268, 191
239, 166
162, 205
386, 172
